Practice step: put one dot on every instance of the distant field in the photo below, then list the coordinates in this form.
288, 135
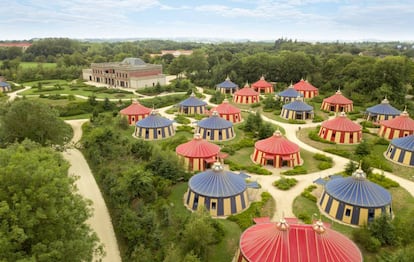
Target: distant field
25, 65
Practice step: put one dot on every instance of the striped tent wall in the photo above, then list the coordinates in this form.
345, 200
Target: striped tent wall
336, 108
154, 133
217, 206
239, 99
265, 90
391, 133
298, 115
350, 214
308, 94
340, 137
132, 119
399, 155
216, 134
227, 90
286, 99
234, 118
378, 118
261, 158
193, 163
192, 110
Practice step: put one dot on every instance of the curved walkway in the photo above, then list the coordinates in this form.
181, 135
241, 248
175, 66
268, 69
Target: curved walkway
86, 184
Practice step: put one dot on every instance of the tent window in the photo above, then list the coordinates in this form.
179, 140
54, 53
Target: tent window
347, 212
389, 151
213, 205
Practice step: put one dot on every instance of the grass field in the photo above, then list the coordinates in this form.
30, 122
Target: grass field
25, 65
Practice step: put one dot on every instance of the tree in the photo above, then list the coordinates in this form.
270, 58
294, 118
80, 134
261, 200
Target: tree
35, 121
42, 216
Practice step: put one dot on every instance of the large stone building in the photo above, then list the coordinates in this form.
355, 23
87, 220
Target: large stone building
130, 73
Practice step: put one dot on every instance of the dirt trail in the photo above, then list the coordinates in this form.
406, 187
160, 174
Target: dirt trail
100, 221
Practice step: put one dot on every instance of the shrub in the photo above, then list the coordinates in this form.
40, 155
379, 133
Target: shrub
322, 157
381, 141
297, 170
324, 165
256, 169
184, 128
382, 180
307, 193
339, 152
285, 183
317, 118
305, 218
182, 120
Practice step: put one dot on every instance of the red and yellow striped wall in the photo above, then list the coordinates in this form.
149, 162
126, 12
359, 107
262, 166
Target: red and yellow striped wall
391, 133
340, 137
234, 118
193, 163
336, 107
132, 119
240, 99
260, 157
350, 214
217, 206
154, 133
308, 93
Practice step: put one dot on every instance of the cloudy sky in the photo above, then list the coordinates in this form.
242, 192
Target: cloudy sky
311, 20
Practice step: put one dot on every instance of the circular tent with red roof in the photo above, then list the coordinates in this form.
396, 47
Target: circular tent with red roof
262, 85
246, 95
221, 192
192, 106
197, 154
277, 151
400, 126
306, 89
228, 112
341, 130
135, 112
227, 86
289, 240
337, 103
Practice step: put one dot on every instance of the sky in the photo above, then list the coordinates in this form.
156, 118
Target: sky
307, 20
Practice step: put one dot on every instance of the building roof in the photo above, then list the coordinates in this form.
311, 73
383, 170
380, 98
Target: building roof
154, 121
228, 84
193, 101
276, 145
262, 83
342, 123
226, 108
215, 122
289, 92
291, 241
338, 99
401, 122
298, 105
406, 143
304, 85
246, 91
198, 148
4, 84
217, 182
358, 191
384, 109
133, 61
136, 109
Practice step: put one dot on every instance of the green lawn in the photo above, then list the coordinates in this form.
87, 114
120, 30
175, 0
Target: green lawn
26, 65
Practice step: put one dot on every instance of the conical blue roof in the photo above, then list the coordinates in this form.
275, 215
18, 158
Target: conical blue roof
406, 143
384, 109
228, 84
193, 101
154, 121
215, 122
217, 182
290, 92
298, 105
358, 191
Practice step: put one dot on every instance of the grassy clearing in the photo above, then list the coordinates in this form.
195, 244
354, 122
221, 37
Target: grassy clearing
25, 65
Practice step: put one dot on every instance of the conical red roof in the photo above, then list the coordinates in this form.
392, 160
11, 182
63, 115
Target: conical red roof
342, 123
338, 99
225, 108
280, 242
276, 145
304, 85
136, 109
246, 91
198, 148
262, 83
401, 122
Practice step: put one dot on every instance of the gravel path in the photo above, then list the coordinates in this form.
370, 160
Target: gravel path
100, 221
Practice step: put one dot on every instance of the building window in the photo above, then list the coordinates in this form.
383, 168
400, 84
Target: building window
347, 212
213, 205
389, 151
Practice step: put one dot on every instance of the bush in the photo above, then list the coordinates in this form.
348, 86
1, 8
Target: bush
184, 129
297, 170
339, 152
381, 141
182, 120
363, 237
317, 118
382, 180
307, 193
256, 169
324, 165
305, 218
285, 183
322, 157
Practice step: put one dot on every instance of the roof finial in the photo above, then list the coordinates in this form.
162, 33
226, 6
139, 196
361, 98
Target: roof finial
227, 78
359, 173
217, 167
214, 113
282, 224
319, 227
247, 84
404, 113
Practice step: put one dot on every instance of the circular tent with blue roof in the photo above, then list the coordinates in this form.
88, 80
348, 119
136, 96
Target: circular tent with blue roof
215, 128
355, 200
227, 86
221, 192
401, 150
297, 110
383, 111
154, 127
288, 95
192, 106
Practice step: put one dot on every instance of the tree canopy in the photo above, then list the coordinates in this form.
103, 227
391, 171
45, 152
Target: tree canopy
42, 216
